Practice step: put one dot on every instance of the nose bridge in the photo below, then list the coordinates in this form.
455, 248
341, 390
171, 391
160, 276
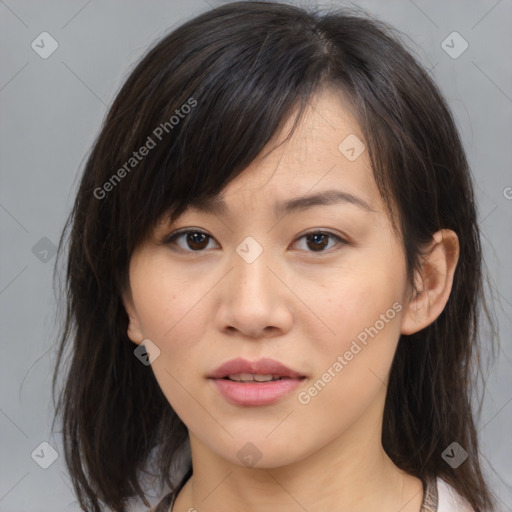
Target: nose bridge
250, 261
251, 300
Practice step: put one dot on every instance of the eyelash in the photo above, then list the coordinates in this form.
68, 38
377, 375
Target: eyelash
171, 239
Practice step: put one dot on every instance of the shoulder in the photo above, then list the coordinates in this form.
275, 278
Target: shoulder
449, 499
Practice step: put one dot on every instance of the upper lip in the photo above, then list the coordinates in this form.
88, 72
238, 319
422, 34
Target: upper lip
260, 367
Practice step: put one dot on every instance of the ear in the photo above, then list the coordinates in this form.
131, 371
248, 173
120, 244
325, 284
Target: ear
433, 282
134, 330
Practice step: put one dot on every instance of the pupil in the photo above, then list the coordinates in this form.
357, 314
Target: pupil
192, 238
315, 237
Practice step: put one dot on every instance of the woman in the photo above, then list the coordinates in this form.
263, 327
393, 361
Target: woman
274, 262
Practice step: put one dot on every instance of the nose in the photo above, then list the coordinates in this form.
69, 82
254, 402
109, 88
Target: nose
255, 301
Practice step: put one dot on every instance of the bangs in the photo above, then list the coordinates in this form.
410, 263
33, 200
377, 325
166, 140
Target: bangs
227, 92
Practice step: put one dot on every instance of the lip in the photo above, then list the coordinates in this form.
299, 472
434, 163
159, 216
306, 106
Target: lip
252, 394
263, 366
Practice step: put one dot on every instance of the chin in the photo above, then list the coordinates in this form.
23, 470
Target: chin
260, 453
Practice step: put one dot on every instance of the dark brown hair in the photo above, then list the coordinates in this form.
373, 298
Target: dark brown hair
243, 69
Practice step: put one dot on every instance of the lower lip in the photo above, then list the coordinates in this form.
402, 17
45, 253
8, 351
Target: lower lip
255, 393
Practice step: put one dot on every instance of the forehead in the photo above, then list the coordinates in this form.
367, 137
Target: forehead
326, 152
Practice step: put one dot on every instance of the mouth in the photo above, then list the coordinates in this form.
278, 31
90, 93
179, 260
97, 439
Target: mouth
261, 370
256, 383
253, 377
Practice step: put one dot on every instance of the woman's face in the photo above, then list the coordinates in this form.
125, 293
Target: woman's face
318, 288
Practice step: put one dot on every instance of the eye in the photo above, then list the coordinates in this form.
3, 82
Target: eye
194, 240
317, 241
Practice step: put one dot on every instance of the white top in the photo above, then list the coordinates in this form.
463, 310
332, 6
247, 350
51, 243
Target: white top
449, 499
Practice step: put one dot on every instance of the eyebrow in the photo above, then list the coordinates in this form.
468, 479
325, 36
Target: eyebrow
217, 205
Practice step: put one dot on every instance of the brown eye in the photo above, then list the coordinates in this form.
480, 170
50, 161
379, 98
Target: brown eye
191, 240
318, 241
197, 240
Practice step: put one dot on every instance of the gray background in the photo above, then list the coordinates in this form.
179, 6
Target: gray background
51, 111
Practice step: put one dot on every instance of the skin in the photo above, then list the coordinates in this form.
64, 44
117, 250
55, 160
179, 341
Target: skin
302, 303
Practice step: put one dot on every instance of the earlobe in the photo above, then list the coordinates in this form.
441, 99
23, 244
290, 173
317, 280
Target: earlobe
134, 330
433, 282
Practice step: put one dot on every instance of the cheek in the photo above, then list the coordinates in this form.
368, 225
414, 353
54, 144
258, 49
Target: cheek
170, 319
172, 312
353, 302
351, 367
362, 309
167, 303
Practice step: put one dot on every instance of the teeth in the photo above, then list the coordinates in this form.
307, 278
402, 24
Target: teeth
262, 378
251, 377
